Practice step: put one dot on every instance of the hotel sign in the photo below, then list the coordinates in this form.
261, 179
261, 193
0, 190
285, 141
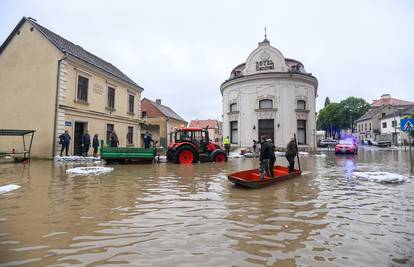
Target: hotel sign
266, 64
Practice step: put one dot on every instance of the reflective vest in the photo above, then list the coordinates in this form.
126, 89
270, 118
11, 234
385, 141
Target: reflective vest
226, 141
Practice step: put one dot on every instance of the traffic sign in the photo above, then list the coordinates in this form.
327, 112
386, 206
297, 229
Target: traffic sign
407, 125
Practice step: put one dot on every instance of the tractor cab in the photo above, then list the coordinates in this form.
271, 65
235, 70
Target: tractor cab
192, 145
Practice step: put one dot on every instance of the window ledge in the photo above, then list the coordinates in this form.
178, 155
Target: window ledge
81, 102
265, 109
131, 113
233, 112
110, 109
302, 110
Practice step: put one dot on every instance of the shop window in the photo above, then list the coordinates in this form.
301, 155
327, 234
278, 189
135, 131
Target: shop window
265, 104
233, 132
109, 130
301, 132
130, 135
82, 93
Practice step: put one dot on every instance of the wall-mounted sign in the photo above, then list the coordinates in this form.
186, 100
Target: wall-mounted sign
265, 65
68, 123
97, 88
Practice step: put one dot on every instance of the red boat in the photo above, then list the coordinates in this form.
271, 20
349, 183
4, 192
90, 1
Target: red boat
251, 178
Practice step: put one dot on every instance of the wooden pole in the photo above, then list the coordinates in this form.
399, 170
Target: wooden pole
297, 149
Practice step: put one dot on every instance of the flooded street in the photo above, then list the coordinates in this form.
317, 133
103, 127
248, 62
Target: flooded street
191, 215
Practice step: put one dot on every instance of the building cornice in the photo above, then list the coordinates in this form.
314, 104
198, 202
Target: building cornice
97, 114
269, 75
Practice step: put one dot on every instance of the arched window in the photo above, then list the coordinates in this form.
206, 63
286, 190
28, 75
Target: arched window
233, 107
301, 104
265, 104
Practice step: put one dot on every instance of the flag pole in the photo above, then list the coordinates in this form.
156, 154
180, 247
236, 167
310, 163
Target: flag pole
297, 149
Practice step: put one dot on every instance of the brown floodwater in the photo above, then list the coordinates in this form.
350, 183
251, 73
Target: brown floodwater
191, 215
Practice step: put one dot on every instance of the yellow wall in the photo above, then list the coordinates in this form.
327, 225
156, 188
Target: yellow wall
28, 71
95, 112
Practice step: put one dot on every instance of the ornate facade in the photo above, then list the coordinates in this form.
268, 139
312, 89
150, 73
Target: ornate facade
271, 96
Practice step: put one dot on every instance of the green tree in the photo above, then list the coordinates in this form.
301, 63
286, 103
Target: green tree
327, 101
352, 109
336, 116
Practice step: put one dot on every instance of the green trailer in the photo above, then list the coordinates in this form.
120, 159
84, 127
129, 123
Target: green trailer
127, 154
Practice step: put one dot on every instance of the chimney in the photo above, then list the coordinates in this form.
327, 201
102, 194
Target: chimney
158, 101
386, 96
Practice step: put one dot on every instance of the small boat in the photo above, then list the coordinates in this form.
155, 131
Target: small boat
251, 178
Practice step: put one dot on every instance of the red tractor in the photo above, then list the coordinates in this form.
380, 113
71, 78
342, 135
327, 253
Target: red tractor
191, 145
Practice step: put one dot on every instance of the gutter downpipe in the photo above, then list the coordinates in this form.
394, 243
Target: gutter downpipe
56, 103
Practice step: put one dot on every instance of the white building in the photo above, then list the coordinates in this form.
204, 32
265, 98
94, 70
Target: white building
272, 96
390, 124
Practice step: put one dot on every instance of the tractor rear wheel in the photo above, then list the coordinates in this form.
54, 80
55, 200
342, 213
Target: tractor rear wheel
219, 156
186, 155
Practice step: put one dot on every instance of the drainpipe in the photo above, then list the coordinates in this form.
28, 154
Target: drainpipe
56, 103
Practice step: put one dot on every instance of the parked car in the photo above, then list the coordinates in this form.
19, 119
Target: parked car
385, 140
346, 146
327, 142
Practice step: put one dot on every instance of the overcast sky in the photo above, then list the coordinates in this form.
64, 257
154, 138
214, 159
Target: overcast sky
181, 51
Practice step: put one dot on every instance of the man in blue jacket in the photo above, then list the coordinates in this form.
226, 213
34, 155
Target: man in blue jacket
86, 143
64, 141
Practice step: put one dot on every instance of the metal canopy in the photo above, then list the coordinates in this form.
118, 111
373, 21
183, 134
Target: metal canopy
12, 132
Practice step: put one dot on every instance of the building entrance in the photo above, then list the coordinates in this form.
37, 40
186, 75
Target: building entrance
267, 129
80, 128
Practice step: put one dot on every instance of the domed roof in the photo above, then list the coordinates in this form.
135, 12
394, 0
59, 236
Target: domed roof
294, 66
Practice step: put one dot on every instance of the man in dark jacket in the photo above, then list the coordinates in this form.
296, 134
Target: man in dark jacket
86, 143
114, 139
267, 158
64, 141
291, 153
95, 144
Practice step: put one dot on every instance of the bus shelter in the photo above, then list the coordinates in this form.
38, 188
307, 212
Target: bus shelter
27, 146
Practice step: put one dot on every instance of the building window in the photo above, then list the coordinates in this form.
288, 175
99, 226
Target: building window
131, 100
144, 114
130, 135
384, 125
370, 126
394, 123
233, 132
109, 130
233, 107
82, 94
265, 104
301, 132
382, 115
366, 128
111, 98
301, 105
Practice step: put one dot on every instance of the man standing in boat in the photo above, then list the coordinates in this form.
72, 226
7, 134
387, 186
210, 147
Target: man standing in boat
267, 158
291, 153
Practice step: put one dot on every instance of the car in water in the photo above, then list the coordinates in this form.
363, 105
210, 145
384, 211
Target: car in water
327, 143
346, 146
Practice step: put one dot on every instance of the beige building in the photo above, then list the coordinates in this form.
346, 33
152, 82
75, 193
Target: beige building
369, 126
50, 84
159, 120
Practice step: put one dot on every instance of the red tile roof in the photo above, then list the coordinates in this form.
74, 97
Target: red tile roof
204, 123
391, 101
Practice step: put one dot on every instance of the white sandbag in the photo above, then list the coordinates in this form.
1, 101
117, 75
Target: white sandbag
8, 188
84, 171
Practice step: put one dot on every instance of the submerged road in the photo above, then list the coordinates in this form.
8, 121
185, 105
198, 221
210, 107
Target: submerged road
339, 213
